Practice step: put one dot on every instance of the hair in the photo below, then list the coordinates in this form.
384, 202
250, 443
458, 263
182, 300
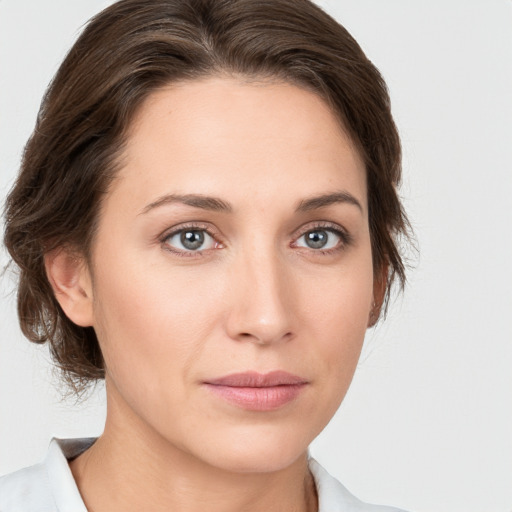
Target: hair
125, 53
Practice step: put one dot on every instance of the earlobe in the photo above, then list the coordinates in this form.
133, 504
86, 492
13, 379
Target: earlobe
70, 280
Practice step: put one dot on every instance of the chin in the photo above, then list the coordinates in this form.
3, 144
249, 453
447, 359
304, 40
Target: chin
250, 461
256, 450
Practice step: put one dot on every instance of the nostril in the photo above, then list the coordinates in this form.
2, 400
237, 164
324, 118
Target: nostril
265, 338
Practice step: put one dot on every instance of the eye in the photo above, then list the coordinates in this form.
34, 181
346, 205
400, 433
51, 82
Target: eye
191, 240
319, 239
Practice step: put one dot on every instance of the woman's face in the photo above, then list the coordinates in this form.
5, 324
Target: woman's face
234, 241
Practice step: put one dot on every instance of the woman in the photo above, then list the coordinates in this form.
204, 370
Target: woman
206, 217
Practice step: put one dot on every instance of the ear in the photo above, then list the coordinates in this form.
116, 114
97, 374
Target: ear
71, 282
380, 284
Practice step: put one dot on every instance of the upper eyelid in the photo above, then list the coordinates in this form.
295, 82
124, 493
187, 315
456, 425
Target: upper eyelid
327, 225
191, 226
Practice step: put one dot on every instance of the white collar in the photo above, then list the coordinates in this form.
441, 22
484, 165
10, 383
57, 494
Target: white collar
50, 486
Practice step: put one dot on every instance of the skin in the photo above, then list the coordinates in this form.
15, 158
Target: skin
254, 297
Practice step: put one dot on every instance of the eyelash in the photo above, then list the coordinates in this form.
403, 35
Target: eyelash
189, 227
345, 238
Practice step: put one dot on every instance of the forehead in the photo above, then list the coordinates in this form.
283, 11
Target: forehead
221, 136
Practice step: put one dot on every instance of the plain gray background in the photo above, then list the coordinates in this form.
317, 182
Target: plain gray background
427, 423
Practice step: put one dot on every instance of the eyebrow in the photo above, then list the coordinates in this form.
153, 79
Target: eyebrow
218, 205
195, 200
323, 200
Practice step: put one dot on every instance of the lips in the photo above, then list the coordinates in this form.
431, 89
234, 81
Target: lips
258, 392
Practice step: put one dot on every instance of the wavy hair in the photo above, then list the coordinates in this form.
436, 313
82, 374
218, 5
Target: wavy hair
135, 47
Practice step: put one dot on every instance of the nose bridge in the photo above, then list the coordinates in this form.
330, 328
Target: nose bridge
262, 311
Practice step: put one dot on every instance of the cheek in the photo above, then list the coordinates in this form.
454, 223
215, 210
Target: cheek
337, 312
338, 303
153, 325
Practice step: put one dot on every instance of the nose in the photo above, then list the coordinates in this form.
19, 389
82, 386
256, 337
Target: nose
261, 307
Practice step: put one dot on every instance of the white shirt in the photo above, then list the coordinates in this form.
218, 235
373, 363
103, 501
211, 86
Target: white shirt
50, 487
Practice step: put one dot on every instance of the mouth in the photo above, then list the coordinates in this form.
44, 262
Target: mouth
258, 392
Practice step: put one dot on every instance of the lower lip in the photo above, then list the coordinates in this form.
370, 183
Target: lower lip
258, 399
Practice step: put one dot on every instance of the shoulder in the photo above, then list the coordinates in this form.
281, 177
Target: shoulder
335, 497
27, 489
45, 487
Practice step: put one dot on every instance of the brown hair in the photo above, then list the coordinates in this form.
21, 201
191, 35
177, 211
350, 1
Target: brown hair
135, 47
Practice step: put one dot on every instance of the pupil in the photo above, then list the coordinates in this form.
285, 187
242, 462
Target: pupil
316, 239
192, 239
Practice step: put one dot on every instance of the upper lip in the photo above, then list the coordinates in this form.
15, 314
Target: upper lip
253, 379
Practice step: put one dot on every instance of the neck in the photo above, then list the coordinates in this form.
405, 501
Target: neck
132, 468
